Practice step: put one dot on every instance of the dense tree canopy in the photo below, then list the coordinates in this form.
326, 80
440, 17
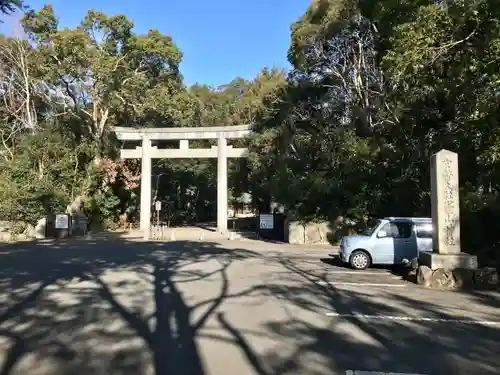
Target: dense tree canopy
375, 88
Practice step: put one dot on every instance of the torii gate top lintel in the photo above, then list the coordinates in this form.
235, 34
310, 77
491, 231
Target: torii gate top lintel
187, 133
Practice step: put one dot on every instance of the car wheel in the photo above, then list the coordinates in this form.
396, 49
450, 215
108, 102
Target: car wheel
360, 260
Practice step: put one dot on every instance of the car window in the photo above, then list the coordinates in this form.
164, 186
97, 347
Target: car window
397, 230
372, 226
424, 230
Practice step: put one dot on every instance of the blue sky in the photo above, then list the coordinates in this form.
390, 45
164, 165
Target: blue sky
220, 39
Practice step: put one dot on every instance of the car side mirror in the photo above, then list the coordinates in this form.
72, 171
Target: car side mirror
382, 234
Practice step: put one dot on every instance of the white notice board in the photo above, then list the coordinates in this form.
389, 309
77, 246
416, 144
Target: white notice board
266, 221
62, 222
158, 206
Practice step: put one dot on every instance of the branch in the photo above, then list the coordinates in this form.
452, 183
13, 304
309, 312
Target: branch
453, 44
118, 62
16, 84
134, 74
134, 107
7, 148
102, 122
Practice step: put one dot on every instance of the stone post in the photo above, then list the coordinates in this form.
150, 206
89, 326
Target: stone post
222, 185
445, 208
146, 187
445, 202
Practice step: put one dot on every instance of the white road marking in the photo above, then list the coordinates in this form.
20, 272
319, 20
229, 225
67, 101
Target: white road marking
334, 283
415, 319
356, 372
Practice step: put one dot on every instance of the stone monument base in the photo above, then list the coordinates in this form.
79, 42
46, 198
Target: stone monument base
448, 261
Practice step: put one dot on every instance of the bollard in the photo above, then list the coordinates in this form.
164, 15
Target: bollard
172, 235
201, 235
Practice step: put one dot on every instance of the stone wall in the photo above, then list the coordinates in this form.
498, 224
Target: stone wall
317, 233
308, 233
5, 228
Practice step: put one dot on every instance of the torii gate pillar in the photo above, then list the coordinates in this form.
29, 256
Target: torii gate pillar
222, 185
145, 213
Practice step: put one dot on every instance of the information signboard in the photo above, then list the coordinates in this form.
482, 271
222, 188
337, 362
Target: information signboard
266, 221
62, 221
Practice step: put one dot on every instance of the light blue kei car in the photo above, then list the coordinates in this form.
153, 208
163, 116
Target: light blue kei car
389, 241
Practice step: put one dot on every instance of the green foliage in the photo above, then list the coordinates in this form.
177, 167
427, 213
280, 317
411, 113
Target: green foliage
82, 81
377, 87
41, 177
104, 207
188, 187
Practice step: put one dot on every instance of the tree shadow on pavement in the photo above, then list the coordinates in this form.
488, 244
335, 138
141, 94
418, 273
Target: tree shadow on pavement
366, 334
114, 306
78, 308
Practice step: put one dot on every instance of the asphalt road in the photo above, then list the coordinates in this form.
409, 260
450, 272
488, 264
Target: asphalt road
113, 306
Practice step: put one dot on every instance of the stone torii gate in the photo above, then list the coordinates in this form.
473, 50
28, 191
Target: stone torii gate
146, 152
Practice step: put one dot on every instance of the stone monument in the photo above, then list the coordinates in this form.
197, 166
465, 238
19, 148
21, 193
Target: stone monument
445, 204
